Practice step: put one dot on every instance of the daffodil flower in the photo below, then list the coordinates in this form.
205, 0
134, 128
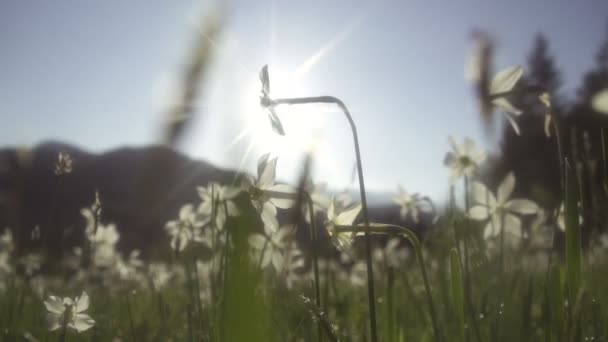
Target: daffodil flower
220, 198
271, 249
68, 313
500, 209
185, 229
412, 204
342, 240
464, 159
266, 196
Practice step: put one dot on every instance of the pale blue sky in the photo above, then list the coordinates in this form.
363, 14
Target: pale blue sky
97, 74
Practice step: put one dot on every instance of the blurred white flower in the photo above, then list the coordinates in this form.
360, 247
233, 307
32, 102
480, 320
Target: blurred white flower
159, 275
599, 102
68, 313
271, 249
500, 209
464, 159
412, 204
185, 229
266, 196
64, 164
31, 263
342, 240
217, 200
6, 242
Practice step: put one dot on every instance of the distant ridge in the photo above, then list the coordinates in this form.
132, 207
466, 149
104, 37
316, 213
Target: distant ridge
141, 188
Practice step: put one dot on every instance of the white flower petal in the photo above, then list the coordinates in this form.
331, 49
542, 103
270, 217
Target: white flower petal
506, 79
267, 176
506, 106
82, 322
54, 321
257, 241
348, 216
479, 213
277, 261
522, 206
512, 225
548, 126
505, 189
54, 305
481, 195
82, 303
489, 231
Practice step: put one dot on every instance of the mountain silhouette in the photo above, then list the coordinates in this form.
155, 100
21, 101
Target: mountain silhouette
140, 190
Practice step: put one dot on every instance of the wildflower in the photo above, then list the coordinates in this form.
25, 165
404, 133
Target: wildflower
64, 164
266, 196
66, 312
464, 159
271, 249
412, 204
500, 209
342, 240
599, 102
217, 201
185, 229
159, 275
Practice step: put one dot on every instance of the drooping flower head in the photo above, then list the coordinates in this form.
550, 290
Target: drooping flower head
463, 159
493, 94
342, 240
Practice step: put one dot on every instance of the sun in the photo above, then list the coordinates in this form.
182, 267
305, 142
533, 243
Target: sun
303, 124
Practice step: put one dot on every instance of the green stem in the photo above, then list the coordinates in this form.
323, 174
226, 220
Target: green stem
395, 229
315, 260
467, 271
390, 317
368, 246
131, 327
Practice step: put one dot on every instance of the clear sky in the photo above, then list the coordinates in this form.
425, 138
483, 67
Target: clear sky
99, 73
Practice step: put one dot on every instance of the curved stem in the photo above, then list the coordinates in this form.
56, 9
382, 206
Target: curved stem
368, 248
395, 229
